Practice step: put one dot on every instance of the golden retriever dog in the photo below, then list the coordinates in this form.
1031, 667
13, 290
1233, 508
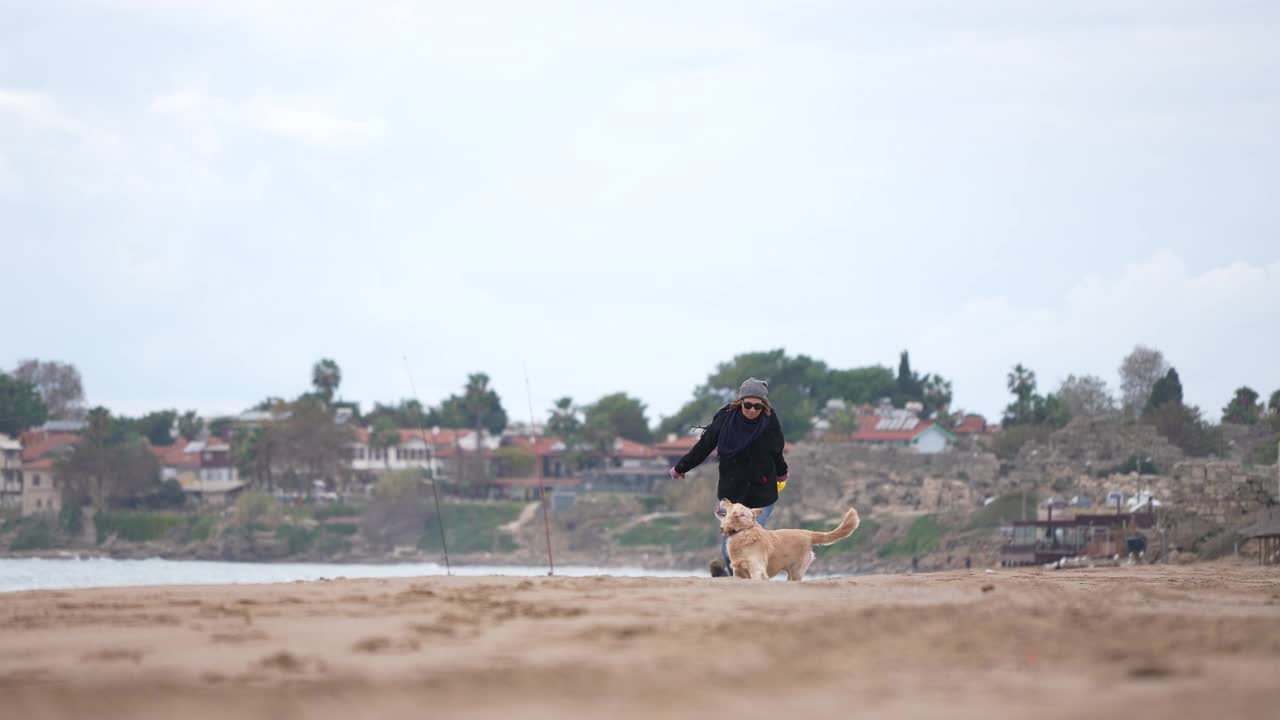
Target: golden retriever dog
759, 554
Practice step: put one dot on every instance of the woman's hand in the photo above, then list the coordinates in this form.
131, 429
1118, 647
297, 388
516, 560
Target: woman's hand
676, 475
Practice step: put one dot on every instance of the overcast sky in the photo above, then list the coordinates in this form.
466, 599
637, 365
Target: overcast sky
199, 199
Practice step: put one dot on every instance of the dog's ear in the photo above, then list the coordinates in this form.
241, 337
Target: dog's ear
757, 512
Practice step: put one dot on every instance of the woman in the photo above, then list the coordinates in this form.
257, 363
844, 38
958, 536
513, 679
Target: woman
748, 438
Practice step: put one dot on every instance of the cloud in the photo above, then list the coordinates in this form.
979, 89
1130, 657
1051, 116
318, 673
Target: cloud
37, 109
314, 127
1211, 325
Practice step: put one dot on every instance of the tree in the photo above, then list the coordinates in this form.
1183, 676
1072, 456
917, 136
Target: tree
858, 386
1086, 396
406, 414
1273, 405
1167, 389
385, 436
515, 462
1050, 410
623, 415
843, 421
908, 383
1244, 408
310, 446
936, 394
190, 425
108, 466
477, 408
252, 450
1183, 426
564, 422
221, 427
1030, 408
1139, 372
1022, 383
399, 510
59, 386
156, 426
796, 385
326, 376
20, 406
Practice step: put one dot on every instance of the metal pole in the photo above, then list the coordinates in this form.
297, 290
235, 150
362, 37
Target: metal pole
537, 461
422, 425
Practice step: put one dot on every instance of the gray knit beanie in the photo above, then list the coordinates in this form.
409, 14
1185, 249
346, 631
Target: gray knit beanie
754, 388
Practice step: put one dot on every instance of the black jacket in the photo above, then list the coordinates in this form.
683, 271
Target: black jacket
751, 476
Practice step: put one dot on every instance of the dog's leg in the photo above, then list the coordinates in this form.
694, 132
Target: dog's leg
797, 571
757, 571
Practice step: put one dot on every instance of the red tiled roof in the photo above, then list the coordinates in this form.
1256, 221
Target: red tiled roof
437, 438
867, 431
546, 445
681, 444
38, 443
175, 455
623, 447
970, 424
42, 464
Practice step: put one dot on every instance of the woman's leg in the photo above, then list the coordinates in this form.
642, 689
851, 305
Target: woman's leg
765, 512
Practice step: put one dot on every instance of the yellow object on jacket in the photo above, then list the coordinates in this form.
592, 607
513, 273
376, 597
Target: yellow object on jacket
781, 484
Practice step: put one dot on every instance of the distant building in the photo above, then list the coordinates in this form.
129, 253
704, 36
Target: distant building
10, 472
204, 468
41, 490
435, 450
903, 429
971, 425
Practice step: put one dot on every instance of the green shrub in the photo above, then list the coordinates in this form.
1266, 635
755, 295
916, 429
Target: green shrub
329, 544
924, 535
298, 538
653, 503
70, 519
1010, 439
10, 518
35, 535
339, 509
346, 529
202, 528
472, 527
134, 526
1141, 466
1004, 510
681, 534
252, 507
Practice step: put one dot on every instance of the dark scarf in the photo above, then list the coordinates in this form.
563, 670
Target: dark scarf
738, 432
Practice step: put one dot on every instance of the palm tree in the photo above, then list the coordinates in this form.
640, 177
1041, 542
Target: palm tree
326, 376
385, 436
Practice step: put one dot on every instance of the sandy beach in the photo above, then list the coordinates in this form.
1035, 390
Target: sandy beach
1167, 641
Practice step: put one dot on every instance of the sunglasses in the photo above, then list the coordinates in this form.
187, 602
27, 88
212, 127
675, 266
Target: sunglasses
752, 406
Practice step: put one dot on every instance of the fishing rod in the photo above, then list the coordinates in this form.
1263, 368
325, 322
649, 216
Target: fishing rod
537, 462
422, 425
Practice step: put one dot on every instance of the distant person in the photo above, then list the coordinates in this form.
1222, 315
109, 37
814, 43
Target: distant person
915, 563
748, 438
967, 562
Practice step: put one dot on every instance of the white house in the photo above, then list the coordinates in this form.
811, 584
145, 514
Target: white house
10, 472
417, 449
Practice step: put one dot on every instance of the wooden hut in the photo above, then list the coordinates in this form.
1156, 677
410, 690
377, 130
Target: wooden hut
1267, 533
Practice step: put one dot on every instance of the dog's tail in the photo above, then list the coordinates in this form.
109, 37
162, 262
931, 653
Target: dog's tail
842, 531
